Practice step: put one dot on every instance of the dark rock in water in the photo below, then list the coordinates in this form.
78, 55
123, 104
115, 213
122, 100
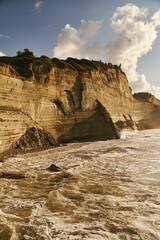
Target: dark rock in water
5, 232
12, 175
28, 231
54, 168
128, 124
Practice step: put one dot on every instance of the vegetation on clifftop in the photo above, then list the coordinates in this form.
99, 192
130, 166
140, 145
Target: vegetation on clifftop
27, 65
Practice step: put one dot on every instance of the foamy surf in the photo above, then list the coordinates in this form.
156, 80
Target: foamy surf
105, 190
124, 134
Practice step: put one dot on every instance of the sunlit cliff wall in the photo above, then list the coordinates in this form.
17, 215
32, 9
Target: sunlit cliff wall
70, 99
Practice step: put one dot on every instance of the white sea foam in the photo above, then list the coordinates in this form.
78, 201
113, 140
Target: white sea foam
106, 190
124, 134
9, 216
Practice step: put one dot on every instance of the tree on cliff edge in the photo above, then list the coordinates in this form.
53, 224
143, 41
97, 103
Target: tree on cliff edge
26, 53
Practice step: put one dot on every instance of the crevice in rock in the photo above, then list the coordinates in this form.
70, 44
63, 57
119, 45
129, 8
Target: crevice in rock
110, 77
130, 117
70, 99
60, 106
125, 118
77, 90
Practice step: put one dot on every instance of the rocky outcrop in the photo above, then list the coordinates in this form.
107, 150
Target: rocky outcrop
71, 100
33, 138
147, 97
5, 232
53, 168
151, 119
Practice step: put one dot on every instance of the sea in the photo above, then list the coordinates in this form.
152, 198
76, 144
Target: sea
104, 190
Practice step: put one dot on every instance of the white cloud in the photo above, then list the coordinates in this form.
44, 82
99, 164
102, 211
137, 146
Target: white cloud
38, 5
4, 36
156, 18
136, 34
135, 38
75, 43
89, 29
2, 54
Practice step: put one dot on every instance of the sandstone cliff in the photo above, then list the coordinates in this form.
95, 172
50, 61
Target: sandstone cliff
70, 100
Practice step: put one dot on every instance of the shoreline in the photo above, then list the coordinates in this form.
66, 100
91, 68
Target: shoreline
14, 152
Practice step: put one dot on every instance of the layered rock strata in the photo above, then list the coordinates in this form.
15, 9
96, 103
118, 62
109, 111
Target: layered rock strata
71, 100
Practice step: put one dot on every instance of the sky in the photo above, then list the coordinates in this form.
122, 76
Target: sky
122, 32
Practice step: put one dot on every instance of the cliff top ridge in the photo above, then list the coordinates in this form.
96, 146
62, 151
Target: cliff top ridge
25, 63
146, 97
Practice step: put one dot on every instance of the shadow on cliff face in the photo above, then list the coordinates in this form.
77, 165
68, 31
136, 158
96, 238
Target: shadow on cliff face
99, 126
77, 93
152, 120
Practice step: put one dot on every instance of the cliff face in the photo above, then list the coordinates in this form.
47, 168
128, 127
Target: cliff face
71, 100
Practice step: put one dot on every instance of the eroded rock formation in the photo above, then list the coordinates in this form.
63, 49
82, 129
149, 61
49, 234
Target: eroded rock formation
70, 100
32, 138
